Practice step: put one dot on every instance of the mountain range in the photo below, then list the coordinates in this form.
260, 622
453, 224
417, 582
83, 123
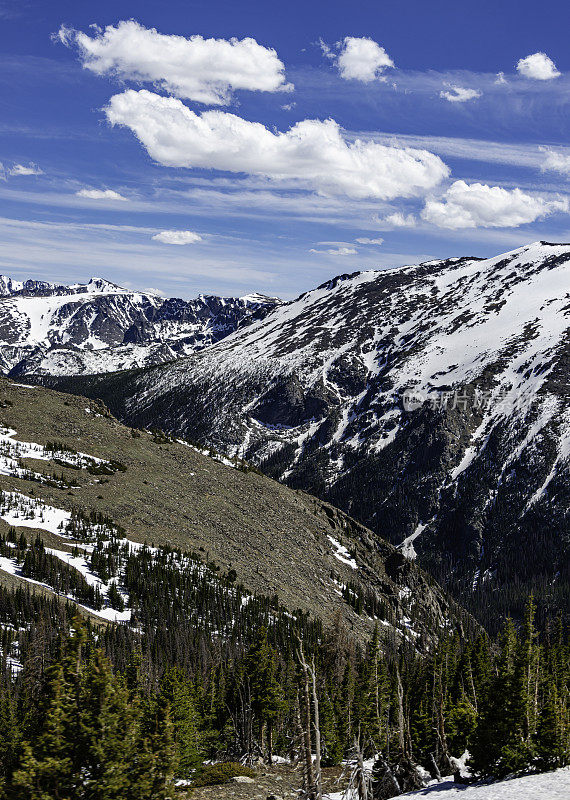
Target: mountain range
47, 328
430, 402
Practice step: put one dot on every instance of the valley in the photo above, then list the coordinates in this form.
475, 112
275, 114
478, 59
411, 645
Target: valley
429, 402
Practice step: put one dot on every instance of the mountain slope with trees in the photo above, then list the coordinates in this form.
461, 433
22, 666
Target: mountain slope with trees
127, 487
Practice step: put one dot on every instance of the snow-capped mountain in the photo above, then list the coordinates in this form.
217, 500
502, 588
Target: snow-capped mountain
431, 402
100, 327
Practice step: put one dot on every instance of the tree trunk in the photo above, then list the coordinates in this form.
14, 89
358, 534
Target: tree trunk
401, 731
317, 729
311, 789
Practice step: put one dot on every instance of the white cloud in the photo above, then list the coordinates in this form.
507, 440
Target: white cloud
478, 205
556, 161
326, 49
203, 70
100, 194
21, 169
500, 79
177, 237
362, 59
365, 240
458, 94
337, 251
399, 220
537, 66
312, 153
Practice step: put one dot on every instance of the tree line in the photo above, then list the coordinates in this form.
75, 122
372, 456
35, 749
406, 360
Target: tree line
92, 712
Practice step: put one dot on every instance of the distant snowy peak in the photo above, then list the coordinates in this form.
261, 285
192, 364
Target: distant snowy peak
9, 286
256, 299
34, 288
102, 327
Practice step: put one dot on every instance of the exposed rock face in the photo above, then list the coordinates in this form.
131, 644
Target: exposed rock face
430, 402
100, 327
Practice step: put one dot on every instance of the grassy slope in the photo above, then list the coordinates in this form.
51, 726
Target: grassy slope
275, 538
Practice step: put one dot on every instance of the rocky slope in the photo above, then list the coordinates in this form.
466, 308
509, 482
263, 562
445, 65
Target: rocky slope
65, 458
430, 402
100, 327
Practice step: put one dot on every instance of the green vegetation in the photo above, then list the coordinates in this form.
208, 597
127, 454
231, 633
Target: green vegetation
217, 774
127, 709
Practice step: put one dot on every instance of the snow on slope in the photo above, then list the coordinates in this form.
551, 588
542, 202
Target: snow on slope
429, 401
98, 326
416, 332
546, 786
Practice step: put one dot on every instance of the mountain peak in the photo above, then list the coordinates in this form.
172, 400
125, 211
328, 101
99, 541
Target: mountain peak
102, 285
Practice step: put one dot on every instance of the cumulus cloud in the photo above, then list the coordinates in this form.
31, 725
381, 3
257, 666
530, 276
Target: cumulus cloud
500, 79
202, 70
365, 240
312, 153
478, 205
337, 251
458, 94
22, 169
100, 194
362, 59
537, 66
556, 161
177, 237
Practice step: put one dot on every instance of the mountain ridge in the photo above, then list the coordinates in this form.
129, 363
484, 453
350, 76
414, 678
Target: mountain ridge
100, 326
429, 401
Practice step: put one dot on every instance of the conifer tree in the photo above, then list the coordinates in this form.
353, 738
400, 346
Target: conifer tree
46, 769
266, 696
176, 692
499, 747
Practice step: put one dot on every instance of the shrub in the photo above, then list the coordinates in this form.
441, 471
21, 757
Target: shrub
216, 774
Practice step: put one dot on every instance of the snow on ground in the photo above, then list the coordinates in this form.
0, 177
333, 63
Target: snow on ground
21, 511
11, 450
342, 553
407, 546
547, 786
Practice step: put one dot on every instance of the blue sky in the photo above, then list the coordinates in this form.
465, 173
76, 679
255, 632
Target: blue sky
324, 138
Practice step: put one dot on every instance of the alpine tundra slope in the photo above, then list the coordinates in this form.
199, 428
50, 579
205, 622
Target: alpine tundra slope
430, 402
205, 516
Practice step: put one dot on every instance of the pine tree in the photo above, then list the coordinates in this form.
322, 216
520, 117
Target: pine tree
550, 737
371, 694
10, 733
499, 747
176, 692
46, 769
266, 695
332, 746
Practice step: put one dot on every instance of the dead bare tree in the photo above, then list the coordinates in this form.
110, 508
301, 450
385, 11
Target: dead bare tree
317, 730
310, 728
